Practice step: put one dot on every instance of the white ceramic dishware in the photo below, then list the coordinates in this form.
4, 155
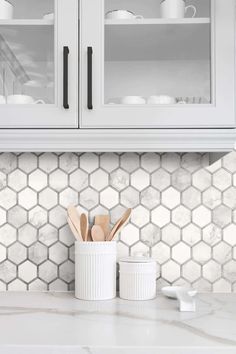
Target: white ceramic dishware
122, 15
2, 100
95, 270
132, 100
6, 10
49, 16
22, 99
161, 99
138, 278
171, 291
175, 9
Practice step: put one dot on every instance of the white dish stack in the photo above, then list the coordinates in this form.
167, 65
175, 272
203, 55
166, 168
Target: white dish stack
95, 270
138, 278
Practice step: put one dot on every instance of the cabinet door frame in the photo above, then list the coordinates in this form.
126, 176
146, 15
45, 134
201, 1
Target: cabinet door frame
53, 115
220, 113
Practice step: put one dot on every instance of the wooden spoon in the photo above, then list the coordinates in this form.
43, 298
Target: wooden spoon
103, 221
74, 231
74, 218
122, 222
97, 234
84, 226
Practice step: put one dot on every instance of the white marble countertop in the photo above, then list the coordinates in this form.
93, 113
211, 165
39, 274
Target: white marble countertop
54, 323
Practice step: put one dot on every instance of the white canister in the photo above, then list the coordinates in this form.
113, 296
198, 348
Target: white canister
138, 278
95, 270
6, 10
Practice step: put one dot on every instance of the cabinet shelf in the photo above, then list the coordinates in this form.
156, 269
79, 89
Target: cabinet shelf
140, 40
23, 22
159, 21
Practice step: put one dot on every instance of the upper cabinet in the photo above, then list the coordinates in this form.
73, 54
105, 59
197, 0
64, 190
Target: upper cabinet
157, 64
39, 64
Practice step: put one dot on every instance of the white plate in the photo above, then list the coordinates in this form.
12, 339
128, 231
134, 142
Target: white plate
171, 291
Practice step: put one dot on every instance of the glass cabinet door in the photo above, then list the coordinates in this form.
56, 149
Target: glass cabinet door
163, 63
38, 57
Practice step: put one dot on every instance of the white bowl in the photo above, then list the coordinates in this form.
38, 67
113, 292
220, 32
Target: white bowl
171, 291
162, 99
133, 100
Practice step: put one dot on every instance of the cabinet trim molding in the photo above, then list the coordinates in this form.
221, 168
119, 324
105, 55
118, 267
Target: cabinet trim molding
178, 140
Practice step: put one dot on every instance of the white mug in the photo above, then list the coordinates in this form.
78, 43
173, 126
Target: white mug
133, 100
162, 99
175, 9
22, 99
6, 10
2, 100
121, 15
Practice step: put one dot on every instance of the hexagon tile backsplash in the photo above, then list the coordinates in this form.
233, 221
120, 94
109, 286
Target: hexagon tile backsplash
184, 215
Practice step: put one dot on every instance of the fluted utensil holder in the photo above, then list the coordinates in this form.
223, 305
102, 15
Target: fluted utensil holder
95, 270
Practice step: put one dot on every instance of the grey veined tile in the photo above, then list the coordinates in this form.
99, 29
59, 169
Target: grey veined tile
140, 179
8, 162
27, 162
119, 179
17, 180
150, 162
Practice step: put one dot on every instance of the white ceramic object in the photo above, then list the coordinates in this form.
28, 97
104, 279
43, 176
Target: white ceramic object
22, 99
95, 270
162, 99
49, 16
6, 10
187, 302
2, 100
121, 15
171, 291
133, 100
138, 278
175, 9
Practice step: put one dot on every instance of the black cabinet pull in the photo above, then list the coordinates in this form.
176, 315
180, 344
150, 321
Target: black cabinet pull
90, 78
65, 77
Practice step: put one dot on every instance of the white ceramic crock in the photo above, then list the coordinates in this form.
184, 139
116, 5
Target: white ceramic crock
95, 270
138, 278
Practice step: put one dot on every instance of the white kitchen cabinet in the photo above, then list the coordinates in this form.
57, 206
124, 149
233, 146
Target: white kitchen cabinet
189, 61
39, 64
80, 73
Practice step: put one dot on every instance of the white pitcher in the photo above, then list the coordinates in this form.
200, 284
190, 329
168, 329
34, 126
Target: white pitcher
175, 9
6, 10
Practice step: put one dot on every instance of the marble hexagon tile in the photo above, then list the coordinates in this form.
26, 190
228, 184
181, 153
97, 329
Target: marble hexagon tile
184, 215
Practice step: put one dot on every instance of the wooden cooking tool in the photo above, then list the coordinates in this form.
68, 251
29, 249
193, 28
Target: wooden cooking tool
104, 222
97, 234
122, 222
84, 226
74, 231
74, 218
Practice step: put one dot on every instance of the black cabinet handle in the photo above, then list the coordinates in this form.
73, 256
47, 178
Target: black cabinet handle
65, 77
90, 78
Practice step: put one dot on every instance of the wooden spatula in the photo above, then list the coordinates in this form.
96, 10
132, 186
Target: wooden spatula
84, 226
97, 234
119, 225
104, 222
74, 231
74, 218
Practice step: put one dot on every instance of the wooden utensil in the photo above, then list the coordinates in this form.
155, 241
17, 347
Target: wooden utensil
119, 225
84, 226
97, 234
74, 231
104, 222
74, 218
